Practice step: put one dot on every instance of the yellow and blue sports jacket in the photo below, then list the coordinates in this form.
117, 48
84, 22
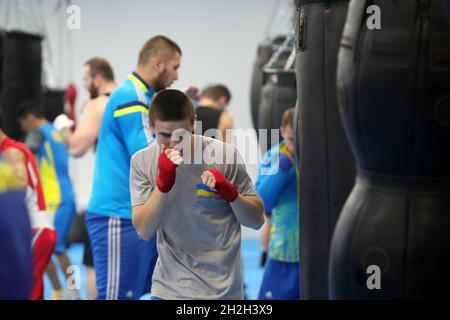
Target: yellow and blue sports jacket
53, 160
278, 189
124, 130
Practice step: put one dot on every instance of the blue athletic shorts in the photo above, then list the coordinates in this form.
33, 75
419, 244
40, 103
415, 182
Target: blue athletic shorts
63, 222
123, 261
280, 281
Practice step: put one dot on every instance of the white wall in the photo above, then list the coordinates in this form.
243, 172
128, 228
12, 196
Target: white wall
218, 39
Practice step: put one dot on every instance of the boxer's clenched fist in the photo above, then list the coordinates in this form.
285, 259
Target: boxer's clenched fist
168, 161
216, 181
174, 156
209, 180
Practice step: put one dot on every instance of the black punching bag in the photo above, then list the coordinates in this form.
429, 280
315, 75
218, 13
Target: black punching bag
277, 95
326, 164
394, 98
264, 52
21, 76
1, 65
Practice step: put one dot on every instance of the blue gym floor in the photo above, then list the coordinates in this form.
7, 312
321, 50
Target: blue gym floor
250, 252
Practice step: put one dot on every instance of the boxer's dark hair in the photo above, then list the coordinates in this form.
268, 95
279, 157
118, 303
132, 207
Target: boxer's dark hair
171, 105
29, 107
1, 121
158, 45
215, 92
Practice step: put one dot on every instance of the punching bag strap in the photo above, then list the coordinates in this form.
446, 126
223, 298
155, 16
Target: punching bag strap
403, 184
300, 27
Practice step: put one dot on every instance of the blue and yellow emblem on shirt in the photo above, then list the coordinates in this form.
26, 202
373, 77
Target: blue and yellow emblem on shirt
204, 192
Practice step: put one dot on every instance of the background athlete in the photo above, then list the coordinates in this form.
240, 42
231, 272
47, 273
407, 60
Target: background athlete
52, 157
98, 79
43, 235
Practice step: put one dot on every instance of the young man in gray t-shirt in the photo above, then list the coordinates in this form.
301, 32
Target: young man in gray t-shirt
194, 192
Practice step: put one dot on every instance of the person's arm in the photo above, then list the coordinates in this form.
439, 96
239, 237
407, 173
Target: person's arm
226, 123
17, 160
271, 183
86, 132
248, 209
147, 217
266, 231
265, 235
193, 94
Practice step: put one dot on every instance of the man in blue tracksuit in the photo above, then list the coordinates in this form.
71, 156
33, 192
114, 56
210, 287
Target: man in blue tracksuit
124, 262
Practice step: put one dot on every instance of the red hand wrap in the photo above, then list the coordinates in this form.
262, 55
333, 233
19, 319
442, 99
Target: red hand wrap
166, 173
224, 188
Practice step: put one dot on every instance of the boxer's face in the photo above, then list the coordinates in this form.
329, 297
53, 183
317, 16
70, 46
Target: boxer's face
168, 73
222, 103
171, 133
88, 82
288, 135
28, 123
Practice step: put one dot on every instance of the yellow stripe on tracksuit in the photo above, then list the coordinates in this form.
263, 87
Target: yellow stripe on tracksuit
128, 110
138, 82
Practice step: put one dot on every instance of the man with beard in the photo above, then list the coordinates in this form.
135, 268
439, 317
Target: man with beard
123, 262
98, 79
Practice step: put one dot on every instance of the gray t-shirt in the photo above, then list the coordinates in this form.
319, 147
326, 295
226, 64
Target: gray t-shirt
199, 239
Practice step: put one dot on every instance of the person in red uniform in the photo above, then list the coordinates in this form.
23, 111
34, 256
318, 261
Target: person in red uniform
43, 234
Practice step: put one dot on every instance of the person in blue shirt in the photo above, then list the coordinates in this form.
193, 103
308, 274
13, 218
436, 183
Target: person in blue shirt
122, 260
53, 165
277, 186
